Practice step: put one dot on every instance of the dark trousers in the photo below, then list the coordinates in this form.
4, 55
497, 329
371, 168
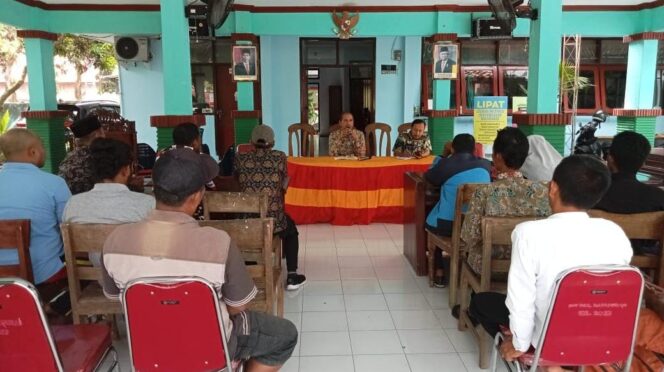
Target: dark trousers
489, 309
290, 244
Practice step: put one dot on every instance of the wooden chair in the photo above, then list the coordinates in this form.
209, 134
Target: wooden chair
495, 231
648, 226
374, 144
80, 240
404, 128
304, 138
453, 245
234, 202
15, 235
254, 239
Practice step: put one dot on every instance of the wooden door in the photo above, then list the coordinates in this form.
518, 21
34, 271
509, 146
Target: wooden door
225, 90
335, 103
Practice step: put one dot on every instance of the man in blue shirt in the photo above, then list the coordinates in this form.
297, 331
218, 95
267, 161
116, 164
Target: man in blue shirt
29, 193
449, 172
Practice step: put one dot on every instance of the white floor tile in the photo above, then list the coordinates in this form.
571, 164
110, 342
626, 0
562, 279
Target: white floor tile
435, 362
322, 287
361, 286
388, 261
393, 272
292, 365
366, 272
472, 362
362, 261
406, 301
293, 302
323, 303
381, 363
327, 364
322, 273
414, 319
328, 250
352, 252
349, 243
365, 302
446, 319
324, 321
463, 341
324, 343
438, 300
425, 341
370, 320
406, 285
375, 342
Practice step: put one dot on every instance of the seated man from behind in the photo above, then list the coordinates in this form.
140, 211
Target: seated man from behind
171, 243
109, 201
448, 173
264, 171
509, 196
76, 168
414, 143
29, 193
627, 154
543, 249
347, 141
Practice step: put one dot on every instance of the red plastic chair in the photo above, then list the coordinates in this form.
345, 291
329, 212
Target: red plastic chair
244, 148
174, 324
592, 320
27, 343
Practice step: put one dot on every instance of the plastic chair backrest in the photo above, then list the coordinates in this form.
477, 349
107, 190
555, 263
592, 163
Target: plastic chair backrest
25, 342
245, 148
174, 324
15, 235
593, 317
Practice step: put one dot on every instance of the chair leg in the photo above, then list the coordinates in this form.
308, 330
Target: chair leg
454, 278
463, 299
115, 330
494, 353
431, 251
484, 348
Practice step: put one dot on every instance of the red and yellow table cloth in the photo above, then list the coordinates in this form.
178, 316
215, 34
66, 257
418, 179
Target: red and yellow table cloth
347, 192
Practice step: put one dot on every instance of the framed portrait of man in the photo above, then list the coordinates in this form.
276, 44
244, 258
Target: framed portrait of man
445, 57
245, 63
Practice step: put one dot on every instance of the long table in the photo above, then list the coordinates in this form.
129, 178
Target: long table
348, 192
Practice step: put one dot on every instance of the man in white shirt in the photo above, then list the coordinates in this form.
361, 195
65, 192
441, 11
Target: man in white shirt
543, 249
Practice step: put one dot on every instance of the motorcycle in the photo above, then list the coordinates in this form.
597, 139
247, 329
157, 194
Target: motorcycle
586, 142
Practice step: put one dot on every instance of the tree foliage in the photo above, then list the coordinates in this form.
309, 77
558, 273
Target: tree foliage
11, 47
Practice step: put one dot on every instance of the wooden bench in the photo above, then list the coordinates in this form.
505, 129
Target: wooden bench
254, 239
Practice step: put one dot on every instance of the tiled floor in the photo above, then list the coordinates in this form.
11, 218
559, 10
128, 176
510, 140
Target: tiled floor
363, 309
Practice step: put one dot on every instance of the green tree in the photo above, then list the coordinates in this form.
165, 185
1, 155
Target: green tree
11, 47
85, 53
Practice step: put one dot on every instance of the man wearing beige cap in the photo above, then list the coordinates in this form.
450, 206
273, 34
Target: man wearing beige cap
264, 171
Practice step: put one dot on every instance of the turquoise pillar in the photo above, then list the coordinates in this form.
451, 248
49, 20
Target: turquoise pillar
544, 50
245, 95
41, 74
246, 117
441, 94
641, 71
176, 59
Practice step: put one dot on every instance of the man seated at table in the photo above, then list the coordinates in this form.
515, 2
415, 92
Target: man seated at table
448, 173
414, 143
30, 193
109, 201
543, 249
510, 195
347, 141
627, 154
76, 168
265, 171
171, 243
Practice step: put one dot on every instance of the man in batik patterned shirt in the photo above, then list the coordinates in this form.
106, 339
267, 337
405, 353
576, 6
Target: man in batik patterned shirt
76, 168
510, 195
413, 143
264, 171
347, 141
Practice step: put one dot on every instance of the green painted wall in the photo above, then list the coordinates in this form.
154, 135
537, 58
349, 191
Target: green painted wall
555, 134
643, 125
441, 130
41, 74
243, 128
52, 134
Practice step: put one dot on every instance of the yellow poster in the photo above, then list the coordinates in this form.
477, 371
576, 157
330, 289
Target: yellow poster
490, 115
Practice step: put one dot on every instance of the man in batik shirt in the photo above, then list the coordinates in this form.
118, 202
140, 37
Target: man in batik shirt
510, 195
414, 143
264, 171
347, 141
76, 168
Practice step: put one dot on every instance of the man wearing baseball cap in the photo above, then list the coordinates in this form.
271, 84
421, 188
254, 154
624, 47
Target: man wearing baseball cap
171, 243
76, 168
